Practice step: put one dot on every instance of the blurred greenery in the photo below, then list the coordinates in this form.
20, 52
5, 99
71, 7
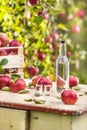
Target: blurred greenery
35, 26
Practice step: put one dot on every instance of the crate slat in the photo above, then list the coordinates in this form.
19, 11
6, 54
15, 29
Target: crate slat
14, 61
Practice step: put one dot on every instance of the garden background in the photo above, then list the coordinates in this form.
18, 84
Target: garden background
40, 25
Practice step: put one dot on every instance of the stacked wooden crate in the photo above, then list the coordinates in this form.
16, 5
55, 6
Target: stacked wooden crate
15, 58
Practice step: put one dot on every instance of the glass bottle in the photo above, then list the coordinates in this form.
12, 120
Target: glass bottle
62, 68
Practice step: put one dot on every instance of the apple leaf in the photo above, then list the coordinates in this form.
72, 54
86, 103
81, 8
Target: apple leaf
23, 91
59, 96
6, 88
1, 69
15, 76
81, 94
28, 100
37, 101
77, 88
4, 62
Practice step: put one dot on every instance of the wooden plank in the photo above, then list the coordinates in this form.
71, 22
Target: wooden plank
79, 122
52, 121
49, 121
9, 48
20, 50
12, 119
14, 61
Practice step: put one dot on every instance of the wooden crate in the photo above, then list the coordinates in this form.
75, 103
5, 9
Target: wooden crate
15, 59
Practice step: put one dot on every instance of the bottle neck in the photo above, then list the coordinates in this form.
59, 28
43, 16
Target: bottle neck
62, 49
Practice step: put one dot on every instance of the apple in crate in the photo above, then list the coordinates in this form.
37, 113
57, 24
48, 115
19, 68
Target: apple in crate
14, 43
69, 96
3, 52
4, 40
73, 81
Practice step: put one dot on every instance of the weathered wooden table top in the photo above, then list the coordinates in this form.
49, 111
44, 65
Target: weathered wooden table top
52, 103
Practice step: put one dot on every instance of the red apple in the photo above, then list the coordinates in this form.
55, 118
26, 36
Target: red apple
3, 52
18, 85
69, 97
0, 43
39, 13
4, 40
41, 55
80, 13
55, 36
60, 82
32, 71
44, 81
45, 15
35, 79
12, 51
4, 81
11, 84
73, 81
63, 16
75, 28
14, 43
68, 54
33, 2
48, 39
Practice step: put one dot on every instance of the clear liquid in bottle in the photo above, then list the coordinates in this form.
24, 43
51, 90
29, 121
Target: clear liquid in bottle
62, 69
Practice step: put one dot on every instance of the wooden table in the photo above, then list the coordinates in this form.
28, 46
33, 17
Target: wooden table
18, 113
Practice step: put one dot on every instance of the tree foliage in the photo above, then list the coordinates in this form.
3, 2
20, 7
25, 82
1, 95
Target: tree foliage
40, 27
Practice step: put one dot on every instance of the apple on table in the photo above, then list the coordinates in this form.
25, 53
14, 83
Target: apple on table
18, 85
69, 96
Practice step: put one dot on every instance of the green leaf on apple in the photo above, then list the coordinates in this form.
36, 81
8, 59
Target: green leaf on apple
15, 76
